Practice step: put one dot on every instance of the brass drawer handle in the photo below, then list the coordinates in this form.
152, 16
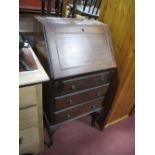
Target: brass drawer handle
71, 102
98, 93
73, 87
93, 107
102, 79
68, 116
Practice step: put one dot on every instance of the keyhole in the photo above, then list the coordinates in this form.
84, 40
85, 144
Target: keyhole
82, 30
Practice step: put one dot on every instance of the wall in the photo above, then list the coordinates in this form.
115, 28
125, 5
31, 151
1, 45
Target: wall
32, 4
119, 15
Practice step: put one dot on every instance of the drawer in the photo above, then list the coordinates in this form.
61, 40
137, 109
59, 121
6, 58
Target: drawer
27, 96
29, 141
83, 82
28, 117
80, 96
69, 113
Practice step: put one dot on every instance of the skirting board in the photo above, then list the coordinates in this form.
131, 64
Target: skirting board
116, 121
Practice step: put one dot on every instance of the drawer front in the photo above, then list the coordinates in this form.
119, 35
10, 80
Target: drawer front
29, 141
27, 118
86, 82
27, 96
86, 107
79, 97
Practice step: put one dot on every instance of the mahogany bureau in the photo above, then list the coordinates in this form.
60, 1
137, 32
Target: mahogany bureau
79, 58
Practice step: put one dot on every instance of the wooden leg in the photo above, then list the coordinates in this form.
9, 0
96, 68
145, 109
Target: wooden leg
95, 116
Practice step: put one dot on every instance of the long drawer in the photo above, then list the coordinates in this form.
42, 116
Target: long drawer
84, 82
80, 96
29, 141
77, 110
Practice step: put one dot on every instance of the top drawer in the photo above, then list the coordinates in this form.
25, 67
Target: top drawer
83, 82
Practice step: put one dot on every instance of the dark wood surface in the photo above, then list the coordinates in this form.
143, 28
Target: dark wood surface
80, 96
69, 58
76, 47
78, 110
79, 58
84, 82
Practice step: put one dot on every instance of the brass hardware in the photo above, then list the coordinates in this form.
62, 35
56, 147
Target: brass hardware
102, 79
98, 93
73, 87
68, 116
71, 102
93, 107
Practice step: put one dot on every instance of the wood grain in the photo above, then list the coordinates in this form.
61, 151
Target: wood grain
77, 110
64, 39
40, 116
86, 81
78, 55
80, 96
27, 96
29, 140
28, 117
120, 16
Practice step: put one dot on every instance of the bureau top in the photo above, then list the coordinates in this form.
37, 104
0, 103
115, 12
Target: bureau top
74, 46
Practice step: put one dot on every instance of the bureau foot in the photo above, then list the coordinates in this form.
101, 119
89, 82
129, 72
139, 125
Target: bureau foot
48, 144
94, 118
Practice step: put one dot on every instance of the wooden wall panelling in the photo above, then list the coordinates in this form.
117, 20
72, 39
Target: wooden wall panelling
103, 9
119, 15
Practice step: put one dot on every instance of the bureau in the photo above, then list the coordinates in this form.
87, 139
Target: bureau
79, 58
31, 139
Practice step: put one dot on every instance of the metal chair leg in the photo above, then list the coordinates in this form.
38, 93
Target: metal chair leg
48, 7
42, 7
